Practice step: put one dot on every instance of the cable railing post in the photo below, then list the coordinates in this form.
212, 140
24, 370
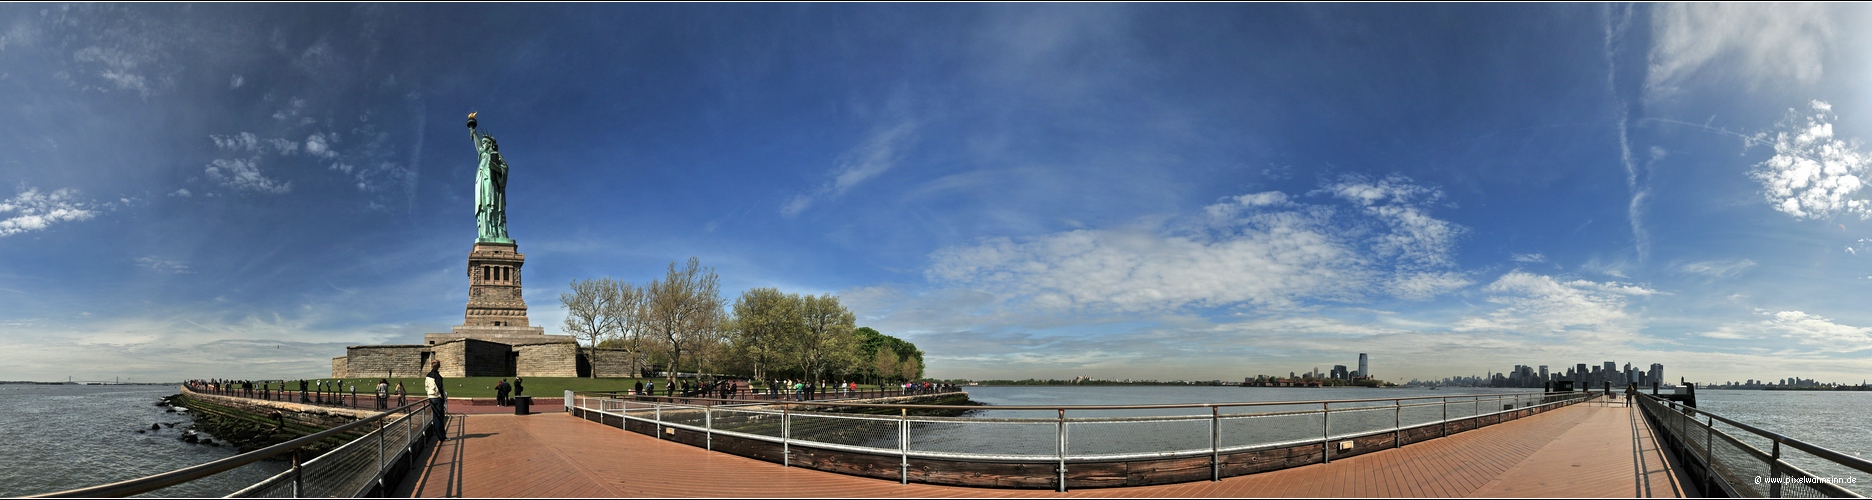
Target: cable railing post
1215, 443
1062, 449
298, 481
1326, 433
1774, 471
1397, 424
1709, 458
903, 445
708, 427
659, 418
380, 457
1445, 423
786, 436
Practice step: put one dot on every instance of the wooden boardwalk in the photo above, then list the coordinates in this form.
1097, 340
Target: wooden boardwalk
1584, 450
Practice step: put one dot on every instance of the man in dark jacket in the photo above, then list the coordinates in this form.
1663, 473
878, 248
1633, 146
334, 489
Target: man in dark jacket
500, 393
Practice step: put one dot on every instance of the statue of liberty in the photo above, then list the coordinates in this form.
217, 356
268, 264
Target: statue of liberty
490, 189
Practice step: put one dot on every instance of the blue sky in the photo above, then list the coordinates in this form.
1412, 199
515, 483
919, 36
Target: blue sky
1055, 190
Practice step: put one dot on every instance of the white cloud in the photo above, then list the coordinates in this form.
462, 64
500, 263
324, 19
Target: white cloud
1239, 252
182, 193
1802, 328
162, 266
236, 82
31, 210
318, 145
1718, 268
1529, 258
1775, 43
878, 154
245, 174
248, 142
1414, 236
1535, 304
119, 67
1813, 174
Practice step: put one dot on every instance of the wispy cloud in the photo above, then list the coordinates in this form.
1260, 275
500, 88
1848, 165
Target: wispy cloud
879, 153
1637, 177
1775, 43
1529, 258
31, 210
162, 266
1534, 304
1252, 250
1717, 268
244, 174
1819, 334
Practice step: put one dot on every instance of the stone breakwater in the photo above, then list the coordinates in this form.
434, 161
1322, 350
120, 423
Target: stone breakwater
250, 424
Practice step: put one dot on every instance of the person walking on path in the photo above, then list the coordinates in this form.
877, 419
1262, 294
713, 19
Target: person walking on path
402, 398
438, 399
500, 393
383, 394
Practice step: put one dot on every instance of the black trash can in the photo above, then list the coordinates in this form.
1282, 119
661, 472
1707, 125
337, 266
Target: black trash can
523, 405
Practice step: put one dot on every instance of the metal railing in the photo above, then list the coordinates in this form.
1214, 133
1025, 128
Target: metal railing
351, 470
1732, 462
1052, 435
313, 395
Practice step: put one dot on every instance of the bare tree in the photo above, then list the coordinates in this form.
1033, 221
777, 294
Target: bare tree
588, 306
884, 364
604, 311
682, 309
825, 338
764, 321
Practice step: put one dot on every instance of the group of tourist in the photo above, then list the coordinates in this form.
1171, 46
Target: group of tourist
501, 389
310, 391
332, 391
926, 387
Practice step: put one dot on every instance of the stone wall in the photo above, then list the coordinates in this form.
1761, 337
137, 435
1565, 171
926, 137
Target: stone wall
609, 362
387, 361
340, 367
552, 359
315, 418
472, 358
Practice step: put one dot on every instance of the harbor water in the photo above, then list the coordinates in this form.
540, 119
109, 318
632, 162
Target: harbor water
59, 437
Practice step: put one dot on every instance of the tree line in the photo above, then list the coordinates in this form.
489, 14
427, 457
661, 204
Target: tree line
680, 323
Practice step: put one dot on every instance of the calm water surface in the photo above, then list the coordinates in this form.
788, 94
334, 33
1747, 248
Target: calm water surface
1841, 421
58, 437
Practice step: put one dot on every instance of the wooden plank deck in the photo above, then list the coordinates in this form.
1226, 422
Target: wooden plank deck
1584, 450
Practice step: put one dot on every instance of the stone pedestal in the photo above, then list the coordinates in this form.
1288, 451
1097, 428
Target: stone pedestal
494, 286
496, 311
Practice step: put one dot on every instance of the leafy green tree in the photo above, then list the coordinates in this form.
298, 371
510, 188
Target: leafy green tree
825, 340
764, 322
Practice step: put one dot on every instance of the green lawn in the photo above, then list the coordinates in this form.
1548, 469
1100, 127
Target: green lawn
483, 387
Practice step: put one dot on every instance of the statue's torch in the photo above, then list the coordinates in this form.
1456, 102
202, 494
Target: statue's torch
471, 120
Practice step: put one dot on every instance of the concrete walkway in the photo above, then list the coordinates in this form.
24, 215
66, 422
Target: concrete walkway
1585, 450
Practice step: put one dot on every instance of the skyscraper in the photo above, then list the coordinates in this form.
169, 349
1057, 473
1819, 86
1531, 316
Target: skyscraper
1543, 374
1364, 370
1657, 373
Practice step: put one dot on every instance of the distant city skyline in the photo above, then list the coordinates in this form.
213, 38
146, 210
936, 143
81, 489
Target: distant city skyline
1144, 191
